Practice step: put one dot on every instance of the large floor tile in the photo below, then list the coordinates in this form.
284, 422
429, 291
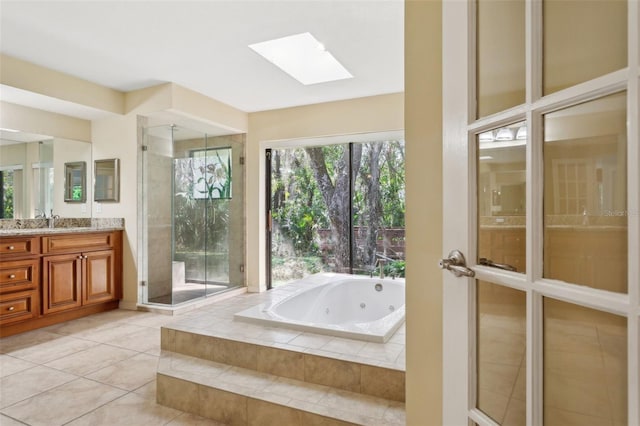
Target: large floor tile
30, 382
128, 410
10, 365
92, 359
64, 403
25, 340
145, 340
110, 331
8, 421
129, 374
50, 350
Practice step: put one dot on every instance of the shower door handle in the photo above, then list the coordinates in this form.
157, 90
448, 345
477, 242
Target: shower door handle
456, 264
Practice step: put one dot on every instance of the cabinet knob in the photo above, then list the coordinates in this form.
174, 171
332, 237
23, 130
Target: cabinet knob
11, 248
11, 308
12, 276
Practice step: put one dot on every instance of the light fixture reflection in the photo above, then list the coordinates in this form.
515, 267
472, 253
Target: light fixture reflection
522, 133
504, 134
487, 137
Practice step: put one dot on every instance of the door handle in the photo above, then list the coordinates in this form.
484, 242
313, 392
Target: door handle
456, 264
489, 262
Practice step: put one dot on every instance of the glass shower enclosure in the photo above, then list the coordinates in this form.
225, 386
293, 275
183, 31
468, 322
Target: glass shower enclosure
192, 215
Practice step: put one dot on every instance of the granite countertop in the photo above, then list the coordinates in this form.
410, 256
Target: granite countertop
17, 227
42, 231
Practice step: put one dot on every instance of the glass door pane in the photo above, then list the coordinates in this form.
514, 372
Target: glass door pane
585, 194
582, 40
157, 188
302, 242
500, 55
585, 366
502, 209
378, 208
500, 351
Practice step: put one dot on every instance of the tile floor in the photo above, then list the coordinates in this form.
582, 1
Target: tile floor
98, 370
101, 370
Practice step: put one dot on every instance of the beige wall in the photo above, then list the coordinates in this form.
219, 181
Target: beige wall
363, 115
31, 120
36, 79
423, 135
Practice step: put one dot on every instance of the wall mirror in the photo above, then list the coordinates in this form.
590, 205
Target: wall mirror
107, 180
75, 180
33, 174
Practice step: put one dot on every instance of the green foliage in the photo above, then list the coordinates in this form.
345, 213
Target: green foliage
298, 206
77, 193
7, 194
395, 268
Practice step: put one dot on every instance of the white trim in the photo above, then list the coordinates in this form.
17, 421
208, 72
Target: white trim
46, 165
633, 205
332, 140
456, 291
11, 167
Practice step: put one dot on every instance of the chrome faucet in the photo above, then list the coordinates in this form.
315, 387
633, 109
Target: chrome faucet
52, 220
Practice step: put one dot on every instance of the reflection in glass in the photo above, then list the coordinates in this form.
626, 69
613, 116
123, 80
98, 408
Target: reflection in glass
582, 40
585, 194
75, 178
501, 363
107, 180
502, 197
500, 55
585, 366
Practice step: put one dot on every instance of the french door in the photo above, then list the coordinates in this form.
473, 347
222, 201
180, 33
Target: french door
542, 197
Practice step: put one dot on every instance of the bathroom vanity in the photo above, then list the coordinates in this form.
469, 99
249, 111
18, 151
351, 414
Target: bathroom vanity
48, 276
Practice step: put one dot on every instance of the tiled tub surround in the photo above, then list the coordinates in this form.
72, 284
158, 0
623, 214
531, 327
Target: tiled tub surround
357, 307
240, 373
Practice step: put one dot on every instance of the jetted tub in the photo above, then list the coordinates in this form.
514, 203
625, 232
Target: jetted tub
343, 305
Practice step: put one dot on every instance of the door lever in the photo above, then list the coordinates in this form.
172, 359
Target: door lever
456, 264
488, 262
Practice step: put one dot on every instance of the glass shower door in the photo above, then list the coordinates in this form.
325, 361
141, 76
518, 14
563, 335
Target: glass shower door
192, 214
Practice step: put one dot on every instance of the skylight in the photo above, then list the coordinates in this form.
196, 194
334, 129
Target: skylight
303, 58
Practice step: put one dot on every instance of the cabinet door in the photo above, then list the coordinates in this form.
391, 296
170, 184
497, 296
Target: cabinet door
61, 282
99, 283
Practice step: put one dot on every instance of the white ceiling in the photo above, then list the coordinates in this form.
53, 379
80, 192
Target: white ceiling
128, 45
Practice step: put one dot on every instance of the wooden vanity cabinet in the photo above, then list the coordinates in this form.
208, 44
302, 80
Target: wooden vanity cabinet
79, 270
53, 278
19, 279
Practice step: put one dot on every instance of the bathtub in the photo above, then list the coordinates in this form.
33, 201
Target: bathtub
342, 305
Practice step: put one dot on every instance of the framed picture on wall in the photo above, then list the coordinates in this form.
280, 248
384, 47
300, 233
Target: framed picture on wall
211, 173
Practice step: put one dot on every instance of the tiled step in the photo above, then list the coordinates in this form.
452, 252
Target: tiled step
244, 396
304, 366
